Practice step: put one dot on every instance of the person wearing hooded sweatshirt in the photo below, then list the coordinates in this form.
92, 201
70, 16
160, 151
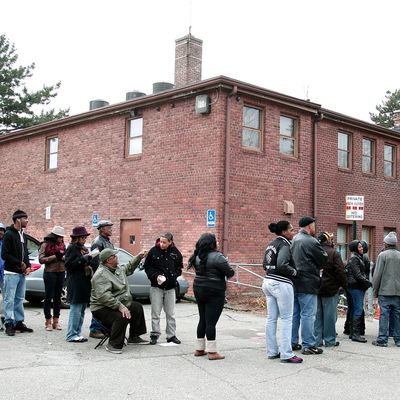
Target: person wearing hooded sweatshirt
358, 283
163, 265
16, 266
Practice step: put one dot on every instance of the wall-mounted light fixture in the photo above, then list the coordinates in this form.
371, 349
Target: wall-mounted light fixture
238, 98
202, 105
133, 112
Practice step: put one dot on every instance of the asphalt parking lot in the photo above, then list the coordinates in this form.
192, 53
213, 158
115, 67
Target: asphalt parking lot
43, 366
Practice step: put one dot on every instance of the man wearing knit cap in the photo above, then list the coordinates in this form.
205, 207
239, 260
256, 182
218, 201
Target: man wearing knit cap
309, 258
386, 286
16, 266
2, 231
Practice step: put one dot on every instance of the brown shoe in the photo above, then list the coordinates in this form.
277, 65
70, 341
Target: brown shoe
97, 335
199, 353
215, 356
48, 325
56, 324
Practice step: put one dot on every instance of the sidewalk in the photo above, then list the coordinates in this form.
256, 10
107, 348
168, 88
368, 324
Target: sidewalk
43, 366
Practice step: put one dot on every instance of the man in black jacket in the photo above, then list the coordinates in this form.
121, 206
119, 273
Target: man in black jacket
16, 267
163, 265
309, 258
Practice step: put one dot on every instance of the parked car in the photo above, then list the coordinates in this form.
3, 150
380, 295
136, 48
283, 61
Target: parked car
139, 284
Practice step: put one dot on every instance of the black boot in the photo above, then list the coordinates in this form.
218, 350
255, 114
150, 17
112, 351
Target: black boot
347, 327
356, 336
362, 324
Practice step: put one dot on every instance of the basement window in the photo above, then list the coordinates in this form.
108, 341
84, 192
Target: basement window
52, 153
251, 131
134, 136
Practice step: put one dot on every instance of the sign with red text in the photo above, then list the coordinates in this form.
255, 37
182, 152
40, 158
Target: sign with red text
355, 208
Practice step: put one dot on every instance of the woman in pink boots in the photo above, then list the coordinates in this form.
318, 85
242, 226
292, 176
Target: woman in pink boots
51, 254
212, 269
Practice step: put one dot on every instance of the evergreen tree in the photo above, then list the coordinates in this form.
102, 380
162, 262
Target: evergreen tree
16, 102
384, 117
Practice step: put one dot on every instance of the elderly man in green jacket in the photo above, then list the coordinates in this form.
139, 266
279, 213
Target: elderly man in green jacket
111, 301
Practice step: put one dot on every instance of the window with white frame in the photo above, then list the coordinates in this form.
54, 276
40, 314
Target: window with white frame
344, 150
288, 136
389, 160
252, 128
135, 136
52, 153
342, 241
368, 156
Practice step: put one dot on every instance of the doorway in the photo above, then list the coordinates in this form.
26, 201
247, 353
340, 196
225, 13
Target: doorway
131, 235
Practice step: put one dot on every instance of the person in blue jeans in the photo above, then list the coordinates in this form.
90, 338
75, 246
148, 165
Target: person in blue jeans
358, 283
278, 289
16, 266
309, 258
386, 284
79, 274
2, 231
333, 278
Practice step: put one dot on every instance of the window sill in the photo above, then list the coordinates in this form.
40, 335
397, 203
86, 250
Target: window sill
133, 157
390, 178
251, 150
50, 171
288, 157
345, 170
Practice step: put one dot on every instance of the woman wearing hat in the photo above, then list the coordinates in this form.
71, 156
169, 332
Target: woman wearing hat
79, 273
51, 254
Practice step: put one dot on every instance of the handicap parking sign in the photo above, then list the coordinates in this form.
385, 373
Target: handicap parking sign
95, 219
211, 218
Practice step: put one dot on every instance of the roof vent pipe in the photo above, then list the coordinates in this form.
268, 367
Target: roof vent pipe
134, 94
161, 86
98, 104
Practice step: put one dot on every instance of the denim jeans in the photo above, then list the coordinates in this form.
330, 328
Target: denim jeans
75, 320
325, 320
357, 300
53, 284
279, 304
14, 295
386, 304
304, 311
160, 299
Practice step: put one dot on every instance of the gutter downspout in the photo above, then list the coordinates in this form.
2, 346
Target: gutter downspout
225, 237
316, 118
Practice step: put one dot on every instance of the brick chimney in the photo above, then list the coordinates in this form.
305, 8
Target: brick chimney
396, 120
188, 58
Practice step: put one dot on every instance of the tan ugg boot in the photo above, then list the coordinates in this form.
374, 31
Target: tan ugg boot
48, 325
56, 324
212, 351
200, 347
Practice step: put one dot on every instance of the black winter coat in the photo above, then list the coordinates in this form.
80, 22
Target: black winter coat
356, 276
167, 262
333, 274
214, 273
79, 274
12, 251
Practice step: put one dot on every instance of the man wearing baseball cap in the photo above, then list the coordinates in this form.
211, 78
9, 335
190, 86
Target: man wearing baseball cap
101, 242
111, 301
309, 258
16, 266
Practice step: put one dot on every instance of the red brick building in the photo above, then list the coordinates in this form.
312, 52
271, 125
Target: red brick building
159, 162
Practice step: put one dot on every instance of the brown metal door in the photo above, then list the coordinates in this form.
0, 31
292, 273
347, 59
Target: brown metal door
131, 235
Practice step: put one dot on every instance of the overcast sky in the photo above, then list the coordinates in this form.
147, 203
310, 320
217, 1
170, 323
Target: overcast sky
342, 54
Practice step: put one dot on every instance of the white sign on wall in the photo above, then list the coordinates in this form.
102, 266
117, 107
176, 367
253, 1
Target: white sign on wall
355, 208
48, 212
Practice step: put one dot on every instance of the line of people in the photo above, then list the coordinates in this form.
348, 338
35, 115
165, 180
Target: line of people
303, 278
94, 277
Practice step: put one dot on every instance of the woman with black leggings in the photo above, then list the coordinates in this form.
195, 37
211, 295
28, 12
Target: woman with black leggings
212, 269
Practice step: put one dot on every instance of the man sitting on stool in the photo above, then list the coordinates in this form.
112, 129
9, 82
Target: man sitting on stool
111, 301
